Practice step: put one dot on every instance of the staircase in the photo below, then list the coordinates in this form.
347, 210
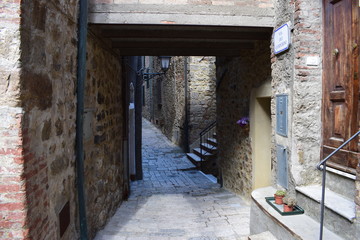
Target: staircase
330, 210
204, 157
339, 210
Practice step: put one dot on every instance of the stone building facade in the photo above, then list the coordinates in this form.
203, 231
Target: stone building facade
38, 61
105, 185
38, 55
237, 77
183, 99
302, 76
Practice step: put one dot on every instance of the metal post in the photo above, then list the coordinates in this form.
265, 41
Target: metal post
81, 76
138, 121
322, 205
322, 167
186, 127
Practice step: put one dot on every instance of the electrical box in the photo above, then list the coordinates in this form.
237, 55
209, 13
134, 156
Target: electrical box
282, 166
282, 114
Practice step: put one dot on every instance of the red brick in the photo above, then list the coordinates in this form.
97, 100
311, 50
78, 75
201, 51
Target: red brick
4, 188
19, 160
16, 196
11, 151
12, 206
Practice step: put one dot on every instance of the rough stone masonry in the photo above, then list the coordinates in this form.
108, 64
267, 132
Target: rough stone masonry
38, 60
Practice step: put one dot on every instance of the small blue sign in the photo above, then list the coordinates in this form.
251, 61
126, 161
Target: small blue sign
282, 38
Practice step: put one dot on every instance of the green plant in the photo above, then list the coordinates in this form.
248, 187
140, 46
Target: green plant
280, 193
290, 201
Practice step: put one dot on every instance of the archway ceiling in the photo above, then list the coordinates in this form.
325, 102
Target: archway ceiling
180, 40
180, 30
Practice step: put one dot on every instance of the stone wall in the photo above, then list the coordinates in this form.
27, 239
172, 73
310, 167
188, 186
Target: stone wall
12, 189
303, 85
237, 77
173, 101
202, 95
38, 68
148, 89
104, 163
165, 97
48, 82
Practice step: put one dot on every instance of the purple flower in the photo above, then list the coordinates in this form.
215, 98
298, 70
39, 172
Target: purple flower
243, 121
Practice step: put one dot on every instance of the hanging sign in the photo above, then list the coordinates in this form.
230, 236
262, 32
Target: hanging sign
282, 38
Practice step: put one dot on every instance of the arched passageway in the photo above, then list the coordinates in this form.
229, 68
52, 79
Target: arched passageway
242, 63
175, 201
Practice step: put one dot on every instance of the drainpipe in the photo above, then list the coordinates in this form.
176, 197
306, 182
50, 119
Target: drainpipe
138, 120
81, 76
186, 124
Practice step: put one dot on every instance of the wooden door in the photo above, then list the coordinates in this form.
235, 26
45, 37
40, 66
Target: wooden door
341, 82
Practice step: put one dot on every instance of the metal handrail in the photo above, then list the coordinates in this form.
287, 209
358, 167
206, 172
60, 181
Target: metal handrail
205, 134
322, 167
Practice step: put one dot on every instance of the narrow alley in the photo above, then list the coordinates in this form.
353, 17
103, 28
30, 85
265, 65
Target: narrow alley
175, 201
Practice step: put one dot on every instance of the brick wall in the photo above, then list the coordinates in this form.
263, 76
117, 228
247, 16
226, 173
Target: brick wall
12, 187
238, 76
104, 163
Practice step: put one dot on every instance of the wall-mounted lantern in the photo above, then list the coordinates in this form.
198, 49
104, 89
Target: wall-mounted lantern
165, 64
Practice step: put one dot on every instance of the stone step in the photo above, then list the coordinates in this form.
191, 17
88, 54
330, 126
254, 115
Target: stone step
264, 218
198, 152
209, 148
341, 182
195, 159
262, 236
339, 210
212, 141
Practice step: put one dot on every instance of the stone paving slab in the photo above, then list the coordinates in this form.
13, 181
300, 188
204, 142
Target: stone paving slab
175, 201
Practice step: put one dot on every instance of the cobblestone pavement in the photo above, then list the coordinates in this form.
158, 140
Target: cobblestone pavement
175, 201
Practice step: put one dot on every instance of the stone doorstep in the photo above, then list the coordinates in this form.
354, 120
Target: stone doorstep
300, 226
210, 177
197, 151
212, 141
262, 236
208, 147
195, 159
333, 201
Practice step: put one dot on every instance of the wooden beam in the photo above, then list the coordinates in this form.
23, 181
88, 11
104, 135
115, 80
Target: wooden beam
136, 31
175, 44
178, 52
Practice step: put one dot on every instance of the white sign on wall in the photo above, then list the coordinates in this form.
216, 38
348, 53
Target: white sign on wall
282, 38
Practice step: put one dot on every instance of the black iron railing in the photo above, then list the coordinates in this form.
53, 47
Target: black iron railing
322, 167
208, 132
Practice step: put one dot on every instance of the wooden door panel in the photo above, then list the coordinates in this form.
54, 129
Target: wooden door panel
340, 87
339, 120
345, 161
336, 64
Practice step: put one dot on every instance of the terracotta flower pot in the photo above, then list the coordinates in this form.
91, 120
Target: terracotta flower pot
278, 199
288, 208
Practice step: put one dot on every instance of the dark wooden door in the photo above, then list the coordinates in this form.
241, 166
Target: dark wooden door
341, 82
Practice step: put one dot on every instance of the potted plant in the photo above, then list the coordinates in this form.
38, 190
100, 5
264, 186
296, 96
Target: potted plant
289, 203
279, 195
